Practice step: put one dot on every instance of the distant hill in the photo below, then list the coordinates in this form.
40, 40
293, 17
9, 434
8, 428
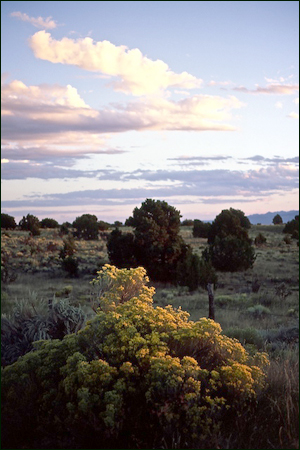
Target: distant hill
267, 219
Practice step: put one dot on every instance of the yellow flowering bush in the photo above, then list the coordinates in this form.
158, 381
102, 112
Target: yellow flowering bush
135, 377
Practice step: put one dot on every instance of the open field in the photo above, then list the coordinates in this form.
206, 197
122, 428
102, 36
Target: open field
260, 307
271, 286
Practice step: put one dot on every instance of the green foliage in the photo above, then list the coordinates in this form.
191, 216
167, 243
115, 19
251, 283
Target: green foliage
7, 221
246, 336
8, 274
230, 254
260, 239
194, 272
158, 244
187, 223
30, 223
102, 226
230, 222
134, 377
86, 227
201, 229
277, 220
49, 223
230, 248
121, 249
65, 228
292, 225
258, 311
69, 262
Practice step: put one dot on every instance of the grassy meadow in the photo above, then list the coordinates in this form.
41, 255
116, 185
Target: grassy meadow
259, 307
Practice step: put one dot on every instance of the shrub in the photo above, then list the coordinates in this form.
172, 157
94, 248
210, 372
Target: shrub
248, 335
260, 239
258, 311
30, 223
7, 221
201, 229
86, 227
69, 262
135, 377
35, 320
49, 223
187, 223
65, 228
102, 226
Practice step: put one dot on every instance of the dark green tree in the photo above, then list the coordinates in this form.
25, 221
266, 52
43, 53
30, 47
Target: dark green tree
7, 221
49, 223
30, 223
86, 227
102, 226
229, 222
187, 223
292, 225
201, 229
194, 272
121, 249
277, 220
230, 248
158, 244
230, 254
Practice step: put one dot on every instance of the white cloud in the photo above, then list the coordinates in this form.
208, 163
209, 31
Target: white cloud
279, 105
37, 22
296, 101
275, 89
293, 115
138, 74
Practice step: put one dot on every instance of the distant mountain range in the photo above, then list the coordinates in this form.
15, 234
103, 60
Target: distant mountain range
267, 219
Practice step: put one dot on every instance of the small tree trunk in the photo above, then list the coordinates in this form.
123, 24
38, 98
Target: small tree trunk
211, 310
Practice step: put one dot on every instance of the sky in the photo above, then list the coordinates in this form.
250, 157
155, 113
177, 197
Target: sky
107, 103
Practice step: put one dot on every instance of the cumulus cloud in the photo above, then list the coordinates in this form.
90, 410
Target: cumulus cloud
37, 22
137, 74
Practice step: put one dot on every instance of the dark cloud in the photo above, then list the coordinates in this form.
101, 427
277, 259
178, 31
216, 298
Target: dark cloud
193, 183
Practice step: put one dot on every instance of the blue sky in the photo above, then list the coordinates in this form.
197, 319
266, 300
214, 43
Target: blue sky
105, 104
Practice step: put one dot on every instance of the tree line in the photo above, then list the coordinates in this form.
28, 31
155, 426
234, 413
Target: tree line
155, 242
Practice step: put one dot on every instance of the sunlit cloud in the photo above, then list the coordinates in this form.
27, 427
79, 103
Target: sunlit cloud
138, 75
38, 112
37, 22
294, 115
275, 89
